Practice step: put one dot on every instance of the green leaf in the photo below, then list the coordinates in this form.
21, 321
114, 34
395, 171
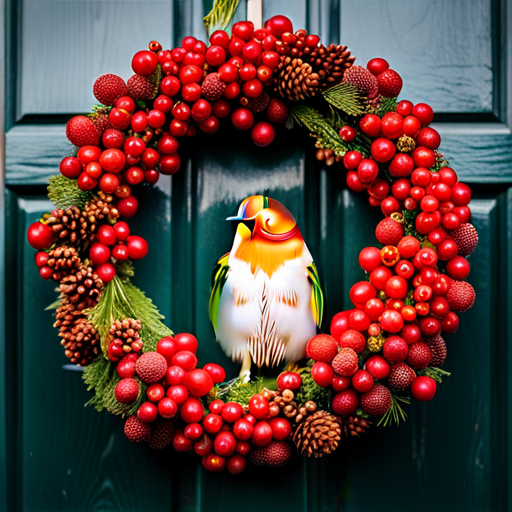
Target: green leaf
64, 192
220, 16
345, 97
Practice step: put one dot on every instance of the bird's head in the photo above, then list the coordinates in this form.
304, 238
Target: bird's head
260, 215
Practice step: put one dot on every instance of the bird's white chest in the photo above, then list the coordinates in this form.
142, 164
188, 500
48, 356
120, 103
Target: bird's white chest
271, 313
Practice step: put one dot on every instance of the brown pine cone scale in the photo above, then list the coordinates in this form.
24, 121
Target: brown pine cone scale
330, 62
318, 435
295, 79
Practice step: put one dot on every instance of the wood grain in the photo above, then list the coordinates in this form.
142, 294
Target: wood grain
71, 42
442, 50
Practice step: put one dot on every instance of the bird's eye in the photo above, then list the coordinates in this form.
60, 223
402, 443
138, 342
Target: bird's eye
250, 224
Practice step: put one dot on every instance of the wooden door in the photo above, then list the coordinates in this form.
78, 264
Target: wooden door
453, 454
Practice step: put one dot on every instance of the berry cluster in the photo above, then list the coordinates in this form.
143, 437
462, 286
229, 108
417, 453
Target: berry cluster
224, 434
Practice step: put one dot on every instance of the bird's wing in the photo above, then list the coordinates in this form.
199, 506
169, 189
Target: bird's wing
317, 297
219, 277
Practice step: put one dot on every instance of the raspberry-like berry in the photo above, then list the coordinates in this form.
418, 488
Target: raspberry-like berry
212, 87
127, 391
109, 88
277, 112
419, 355
377, 401
141, 88
346, 362
274, 454
81, 131
389, 231
161, 435
466, 238
390, 83
136, 431
460, 296
401, 376
322, 348
151, 367
363, 80
438, 350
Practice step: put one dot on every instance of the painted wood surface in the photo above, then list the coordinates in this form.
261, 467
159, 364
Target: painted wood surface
454, 452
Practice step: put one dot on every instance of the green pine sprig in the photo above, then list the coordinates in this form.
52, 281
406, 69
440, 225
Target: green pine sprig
345, 97
239, 391
320, 127
64, 192
101, 377
386, 105
395, 413
122, 299
220, 16
434, 373
410, 223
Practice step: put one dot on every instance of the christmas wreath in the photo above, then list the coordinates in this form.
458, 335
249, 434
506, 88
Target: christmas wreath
378, 354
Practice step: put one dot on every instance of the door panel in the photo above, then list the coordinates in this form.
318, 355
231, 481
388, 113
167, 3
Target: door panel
453, 453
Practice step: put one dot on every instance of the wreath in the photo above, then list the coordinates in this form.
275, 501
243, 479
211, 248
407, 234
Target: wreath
266, 304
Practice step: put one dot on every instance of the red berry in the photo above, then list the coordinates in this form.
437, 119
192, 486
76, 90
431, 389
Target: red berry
262, 134
423, 388
362, 381
322, 374
40, 236
377, 65
345, 403
395, 349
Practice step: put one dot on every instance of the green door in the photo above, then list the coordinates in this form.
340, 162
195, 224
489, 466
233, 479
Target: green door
454, 453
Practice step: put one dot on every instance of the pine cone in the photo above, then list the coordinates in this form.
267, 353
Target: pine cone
81, 288
63, 261
405, 144
353, 426
330, 63
295, 79
66, 224
78, 228
80, 339
318, 435
128, 331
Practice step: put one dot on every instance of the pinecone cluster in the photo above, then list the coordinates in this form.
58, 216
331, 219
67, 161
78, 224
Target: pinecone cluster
330, 62
82, 288
295, 79
63, 261
126, 333
318, 434
80, 339
75, 227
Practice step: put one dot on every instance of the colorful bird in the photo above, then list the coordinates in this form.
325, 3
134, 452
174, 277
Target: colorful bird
266, 300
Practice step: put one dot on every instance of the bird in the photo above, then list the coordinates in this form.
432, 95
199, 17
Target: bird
266, 300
